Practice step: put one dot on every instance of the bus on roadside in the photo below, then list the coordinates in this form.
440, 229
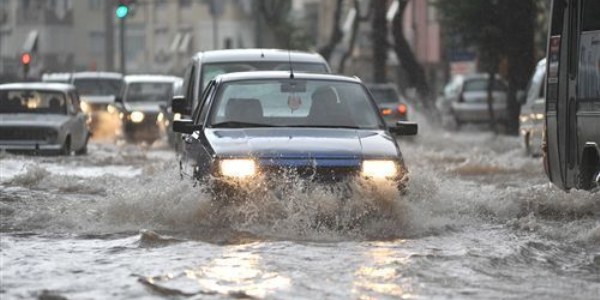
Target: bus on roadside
572, 136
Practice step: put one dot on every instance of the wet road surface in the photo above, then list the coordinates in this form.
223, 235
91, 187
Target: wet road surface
479, 221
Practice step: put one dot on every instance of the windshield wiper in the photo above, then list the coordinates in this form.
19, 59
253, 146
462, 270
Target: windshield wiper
237, 124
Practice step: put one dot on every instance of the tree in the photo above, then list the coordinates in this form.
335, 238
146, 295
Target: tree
336, 35
379, 33
276, 15
407, 59
501, 30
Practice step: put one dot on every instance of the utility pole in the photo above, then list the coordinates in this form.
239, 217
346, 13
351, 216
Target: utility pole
109, 43
121, 12
122, 46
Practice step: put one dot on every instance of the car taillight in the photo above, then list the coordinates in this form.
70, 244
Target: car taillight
386, 111
402, 109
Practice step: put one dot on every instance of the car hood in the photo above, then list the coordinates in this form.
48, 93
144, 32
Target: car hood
290, 143
96, 99
147, 107
32, 120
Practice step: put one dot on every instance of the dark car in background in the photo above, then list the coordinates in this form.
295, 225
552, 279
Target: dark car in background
256, 127
42, 117
139, 105
392, 106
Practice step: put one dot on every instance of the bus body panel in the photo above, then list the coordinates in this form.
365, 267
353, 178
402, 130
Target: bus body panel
571, 154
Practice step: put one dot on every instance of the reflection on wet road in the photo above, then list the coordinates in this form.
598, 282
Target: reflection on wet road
479, 221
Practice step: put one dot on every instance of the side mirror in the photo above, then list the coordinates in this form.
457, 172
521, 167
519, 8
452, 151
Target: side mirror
179, 106
185, 126
403, 128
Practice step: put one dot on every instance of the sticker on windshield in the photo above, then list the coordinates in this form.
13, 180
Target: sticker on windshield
294, 102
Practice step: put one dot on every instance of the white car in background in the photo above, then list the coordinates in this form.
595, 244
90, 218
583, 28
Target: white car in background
43, 118
532, 118
465, 100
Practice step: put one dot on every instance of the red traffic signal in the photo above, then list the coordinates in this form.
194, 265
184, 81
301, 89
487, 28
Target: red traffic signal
25, 58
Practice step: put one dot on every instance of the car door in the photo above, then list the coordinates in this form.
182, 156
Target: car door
195, 156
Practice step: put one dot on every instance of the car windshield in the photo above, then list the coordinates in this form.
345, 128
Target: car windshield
32, 101
384, 95
149, 92
98, 86
480, 85
294, 103
210, 71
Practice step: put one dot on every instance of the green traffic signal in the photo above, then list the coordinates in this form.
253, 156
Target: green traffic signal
122, 11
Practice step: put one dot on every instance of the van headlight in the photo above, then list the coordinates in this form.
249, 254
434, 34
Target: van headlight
136, 116
379, 169
237, 168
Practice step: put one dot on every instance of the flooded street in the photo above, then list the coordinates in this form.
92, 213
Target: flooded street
479, 221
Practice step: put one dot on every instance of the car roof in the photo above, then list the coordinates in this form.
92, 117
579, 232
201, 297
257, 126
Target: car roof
37, 86
235, 55
109, 75
282, 75
151, 78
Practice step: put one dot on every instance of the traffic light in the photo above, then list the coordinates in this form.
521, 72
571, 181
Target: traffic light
124, 8
25, 61
122, 11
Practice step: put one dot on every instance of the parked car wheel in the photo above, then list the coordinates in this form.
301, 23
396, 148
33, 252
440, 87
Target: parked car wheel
66, 148
527, 143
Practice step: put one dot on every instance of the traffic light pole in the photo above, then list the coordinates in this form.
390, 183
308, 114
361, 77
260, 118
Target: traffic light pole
122, 45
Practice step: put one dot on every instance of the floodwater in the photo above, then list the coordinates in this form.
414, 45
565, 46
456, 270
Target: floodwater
479, 221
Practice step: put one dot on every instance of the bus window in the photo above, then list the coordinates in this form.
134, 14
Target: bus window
556, 31
588, 78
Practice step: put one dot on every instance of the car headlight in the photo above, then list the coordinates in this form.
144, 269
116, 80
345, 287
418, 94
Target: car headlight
379, 169
136, 117
160, 117
238, 168
177, 117
539, 116
85, 107
111, 109
524, 118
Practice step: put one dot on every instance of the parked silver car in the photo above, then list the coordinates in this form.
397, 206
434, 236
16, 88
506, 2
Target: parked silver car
42, 117
465, 100
532, 118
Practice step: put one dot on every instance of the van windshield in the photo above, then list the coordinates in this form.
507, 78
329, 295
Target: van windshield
212, 70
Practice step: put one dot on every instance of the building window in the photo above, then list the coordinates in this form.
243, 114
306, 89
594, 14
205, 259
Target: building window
97, 42
185, 3
95, 4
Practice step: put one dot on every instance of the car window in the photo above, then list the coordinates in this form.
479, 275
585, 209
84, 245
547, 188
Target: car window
384, 95
293, 102
98, 86
211, 70
480, 85
33, 101
149, 91
202, 111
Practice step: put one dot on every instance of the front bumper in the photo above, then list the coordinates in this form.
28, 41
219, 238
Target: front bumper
29, 146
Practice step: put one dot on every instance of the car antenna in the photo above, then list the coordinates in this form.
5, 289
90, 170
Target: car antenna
291, 65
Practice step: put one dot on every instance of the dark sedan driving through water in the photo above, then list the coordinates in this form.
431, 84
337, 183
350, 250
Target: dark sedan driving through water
260, 126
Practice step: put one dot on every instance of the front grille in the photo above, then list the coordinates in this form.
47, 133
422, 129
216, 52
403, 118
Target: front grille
313, 174
26, 134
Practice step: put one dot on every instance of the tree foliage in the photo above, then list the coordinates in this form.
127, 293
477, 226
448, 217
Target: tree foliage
501, 31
